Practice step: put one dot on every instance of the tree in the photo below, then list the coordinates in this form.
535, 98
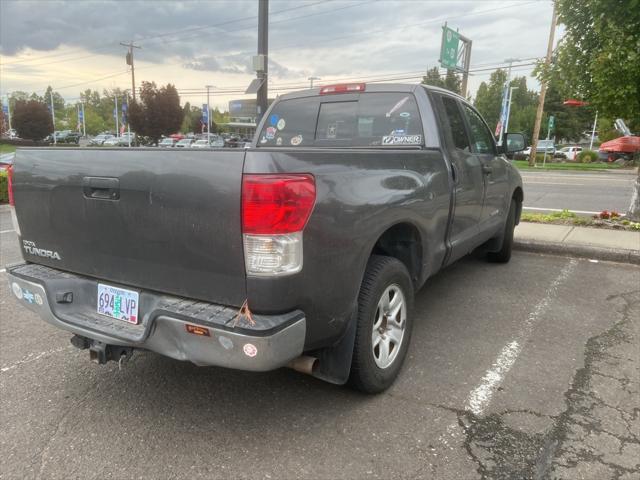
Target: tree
488, 99
157, 112
598, 60
31, 119
451, 81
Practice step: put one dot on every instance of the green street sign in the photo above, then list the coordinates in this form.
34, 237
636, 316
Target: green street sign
449, 48
552, 122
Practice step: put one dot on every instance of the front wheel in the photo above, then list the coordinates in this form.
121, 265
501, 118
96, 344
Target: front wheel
504, 254
384, 324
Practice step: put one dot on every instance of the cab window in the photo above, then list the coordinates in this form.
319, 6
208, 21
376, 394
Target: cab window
482, 140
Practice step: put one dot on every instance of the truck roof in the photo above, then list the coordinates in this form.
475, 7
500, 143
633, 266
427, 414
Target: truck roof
370, 87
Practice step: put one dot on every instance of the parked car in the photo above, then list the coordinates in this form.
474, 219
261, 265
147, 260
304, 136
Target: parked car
64, 136
304, 250
100, 139
184, 143
10, 134
113, 141
213, 142
167, 142
126, 139
568, 153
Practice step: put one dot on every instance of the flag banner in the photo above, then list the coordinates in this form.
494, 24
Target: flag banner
205, 113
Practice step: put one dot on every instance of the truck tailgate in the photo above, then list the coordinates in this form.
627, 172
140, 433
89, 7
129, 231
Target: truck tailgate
156, 219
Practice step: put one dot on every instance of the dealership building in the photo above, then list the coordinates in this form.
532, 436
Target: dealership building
243, 115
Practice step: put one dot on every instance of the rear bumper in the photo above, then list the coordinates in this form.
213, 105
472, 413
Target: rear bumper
68, 301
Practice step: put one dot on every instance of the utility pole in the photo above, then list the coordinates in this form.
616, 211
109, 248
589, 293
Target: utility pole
53, 118
131, 46
208, 114
543, 91
311, 79
263, 53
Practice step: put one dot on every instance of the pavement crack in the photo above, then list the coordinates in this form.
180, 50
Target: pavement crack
72, 408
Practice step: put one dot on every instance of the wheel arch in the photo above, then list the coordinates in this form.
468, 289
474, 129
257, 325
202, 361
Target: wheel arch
404, 242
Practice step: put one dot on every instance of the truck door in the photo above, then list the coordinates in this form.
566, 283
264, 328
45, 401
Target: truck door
494, 172
468, 179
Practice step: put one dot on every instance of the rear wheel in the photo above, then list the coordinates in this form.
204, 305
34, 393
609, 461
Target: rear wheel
384, 324
504, 254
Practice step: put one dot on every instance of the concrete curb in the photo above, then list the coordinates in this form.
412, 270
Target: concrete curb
581, 251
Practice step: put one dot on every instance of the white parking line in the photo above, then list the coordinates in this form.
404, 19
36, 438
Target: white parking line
32, 357
2, 270
480, 397
7, 231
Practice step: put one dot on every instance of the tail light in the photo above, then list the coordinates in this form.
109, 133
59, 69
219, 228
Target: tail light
342, 88
275, 210
12, 202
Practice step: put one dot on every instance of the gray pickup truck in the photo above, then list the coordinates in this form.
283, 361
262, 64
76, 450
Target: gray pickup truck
302, 250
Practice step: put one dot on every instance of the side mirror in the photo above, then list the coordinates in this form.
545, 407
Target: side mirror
514, 142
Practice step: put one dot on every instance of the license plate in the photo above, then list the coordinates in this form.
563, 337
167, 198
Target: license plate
118, 303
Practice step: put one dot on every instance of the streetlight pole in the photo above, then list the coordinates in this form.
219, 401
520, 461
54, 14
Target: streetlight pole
115, 114
208, 114
311, 79
593, 131
84, 123
506, 123
263, 52
53, 118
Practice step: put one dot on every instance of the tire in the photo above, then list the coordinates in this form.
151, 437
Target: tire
504, 254
384, 276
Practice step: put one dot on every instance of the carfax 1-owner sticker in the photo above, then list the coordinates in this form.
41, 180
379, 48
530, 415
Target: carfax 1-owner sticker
402, 140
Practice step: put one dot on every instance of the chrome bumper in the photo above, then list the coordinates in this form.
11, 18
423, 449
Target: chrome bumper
68, 301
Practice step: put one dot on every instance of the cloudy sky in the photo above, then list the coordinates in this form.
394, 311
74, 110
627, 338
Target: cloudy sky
73, 45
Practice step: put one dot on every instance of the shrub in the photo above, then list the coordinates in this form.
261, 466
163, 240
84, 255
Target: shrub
4, 192
587, 156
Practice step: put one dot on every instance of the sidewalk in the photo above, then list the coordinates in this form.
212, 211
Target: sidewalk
596, 243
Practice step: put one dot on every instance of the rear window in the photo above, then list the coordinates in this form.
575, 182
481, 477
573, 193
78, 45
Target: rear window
368, 119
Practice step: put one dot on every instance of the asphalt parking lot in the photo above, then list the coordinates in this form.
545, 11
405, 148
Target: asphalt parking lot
525, 370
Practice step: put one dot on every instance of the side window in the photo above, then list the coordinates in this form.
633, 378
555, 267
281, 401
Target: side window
480, 134
290, 123
456, 124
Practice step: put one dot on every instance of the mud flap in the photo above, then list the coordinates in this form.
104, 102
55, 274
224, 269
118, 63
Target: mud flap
334, 363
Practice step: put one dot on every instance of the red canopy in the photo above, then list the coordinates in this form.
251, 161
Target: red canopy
572, 102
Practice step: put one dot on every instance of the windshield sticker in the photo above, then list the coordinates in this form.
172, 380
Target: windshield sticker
402, 140
397, 106
281, 124
332, 130
297, 140
273, 119
263, 139
405, 114
279, 141
399, 131
270, 133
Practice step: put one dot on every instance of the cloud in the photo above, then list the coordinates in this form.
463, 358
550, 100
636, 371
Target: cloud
306, 37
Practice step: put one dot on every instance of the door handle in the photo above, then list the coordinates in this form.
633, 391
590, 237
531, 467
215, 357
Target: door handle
486, 169
104, 188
